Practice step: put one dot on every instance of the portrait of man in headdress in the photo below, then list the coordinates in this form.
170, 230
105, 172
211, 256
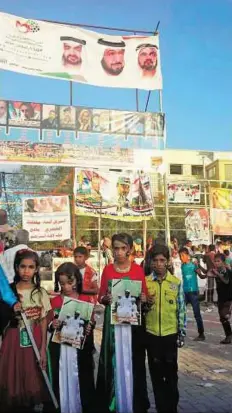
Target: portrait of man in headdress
113, 61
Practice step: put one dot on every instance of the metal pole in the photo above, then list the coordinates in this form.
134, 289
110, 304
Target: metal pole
99, 240
144, 236
71, 92
73, 213
167, 220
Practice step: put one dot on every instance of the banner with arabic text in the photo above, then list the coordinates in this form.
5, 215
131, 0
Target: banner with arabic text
122, 196
71, 53
197, 226
47, 218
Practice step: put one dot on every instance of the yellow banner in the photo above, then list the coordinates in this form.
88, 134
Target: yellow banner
221, 198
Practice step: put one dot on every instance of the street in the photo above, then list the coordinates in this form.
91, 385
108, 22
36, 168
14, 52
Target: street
205, 369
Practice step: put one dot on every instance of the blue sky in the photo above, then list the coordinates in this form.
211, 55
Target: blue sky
196, 53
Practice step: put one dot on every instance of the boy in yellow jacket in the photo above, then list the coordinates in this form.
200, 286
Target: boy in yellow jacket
166, 329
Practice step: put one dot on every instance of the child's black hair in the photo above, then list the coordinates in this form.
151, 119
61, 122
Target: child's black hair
124, 238
159, 250
82, 251
24, 255
72, 273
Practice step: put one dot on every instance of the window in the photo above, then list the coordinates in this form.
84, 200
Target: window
228, 172
175, 169
197, 170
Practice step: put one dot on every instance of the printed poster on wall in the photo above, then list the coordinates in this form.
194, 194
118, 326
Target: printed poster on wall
123, 196
184, 193
221, 220
221, 198
71, 53
47, 218
197, 226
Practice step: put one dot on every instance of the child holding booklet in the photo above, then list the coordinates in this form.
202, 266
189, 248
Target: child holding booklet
121, 382
72, 369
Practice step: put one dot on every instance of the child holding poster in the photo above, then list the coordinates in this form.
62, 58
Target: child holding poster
72, 369
121, 382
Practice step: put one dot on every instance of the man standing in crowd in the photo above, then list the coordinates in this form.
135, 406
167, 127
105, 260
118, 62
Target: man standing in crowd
21, 240
223, 278
190, 271
209, 261
189, 245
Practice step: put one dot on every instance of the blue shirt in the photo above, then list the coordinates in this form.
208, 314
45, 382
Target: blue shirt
189, 275
6, 293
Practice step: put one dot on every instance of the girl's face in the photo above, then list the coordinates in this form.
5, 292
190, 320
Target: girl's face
121, 251
27, 269
67, 284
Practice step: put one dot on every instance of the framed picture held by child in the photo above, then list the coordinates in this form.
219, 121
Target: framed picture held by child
74, 317
126, 305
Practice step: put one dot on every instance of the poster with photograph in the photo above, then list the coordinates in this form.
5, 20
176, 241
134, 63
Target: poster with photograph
126, 305
197, 226
24, 114
134, 123
184, 193
67, 117
101, 120
123, 196
69, 53
50, 117
74, 317
154, 124
84, 119
3, 112
47, 218
221, 221
117, 122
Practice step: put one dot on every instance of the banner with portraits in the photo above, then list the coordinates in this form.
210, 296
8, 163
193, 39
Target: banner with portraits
197, 226
121, 196
71, 53
40, 133
47, 218
184, 193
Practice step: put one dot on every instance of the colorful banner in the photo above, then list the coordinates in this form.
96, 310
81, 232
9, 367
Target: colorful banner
197, 226
184, 193
221, 198
47, 218
34, 132
122, 196
221, 220
71, 53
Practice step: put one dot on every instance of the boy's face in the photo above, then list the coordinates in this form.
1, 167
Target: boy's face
79, 260
218, 263
185, 258
159, 264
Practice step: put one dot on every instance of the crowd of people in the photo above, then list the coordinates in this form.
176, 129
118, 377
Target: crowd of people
121, 378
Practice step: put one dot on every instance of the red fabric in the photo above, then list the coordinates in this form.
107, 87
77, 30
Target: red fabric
88, 283
109, 273
21, 381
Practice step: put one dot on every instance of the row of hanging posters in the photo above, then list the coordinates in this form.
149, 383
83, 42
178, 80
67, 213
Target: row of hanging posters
184, 193
67, 135
221, 211
47, 218
71, 53
122, 196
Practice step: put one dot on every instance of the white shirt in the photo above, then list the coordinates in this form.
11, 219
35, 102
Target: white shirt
8, 260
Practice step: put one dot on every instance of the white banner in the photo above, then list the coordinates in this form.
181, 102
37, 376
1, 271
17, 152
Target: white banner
72, 53
47, 218
184, 193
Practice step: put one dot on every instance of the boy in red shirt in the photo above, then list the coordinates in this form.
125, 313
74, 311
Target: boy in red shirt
89, 275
